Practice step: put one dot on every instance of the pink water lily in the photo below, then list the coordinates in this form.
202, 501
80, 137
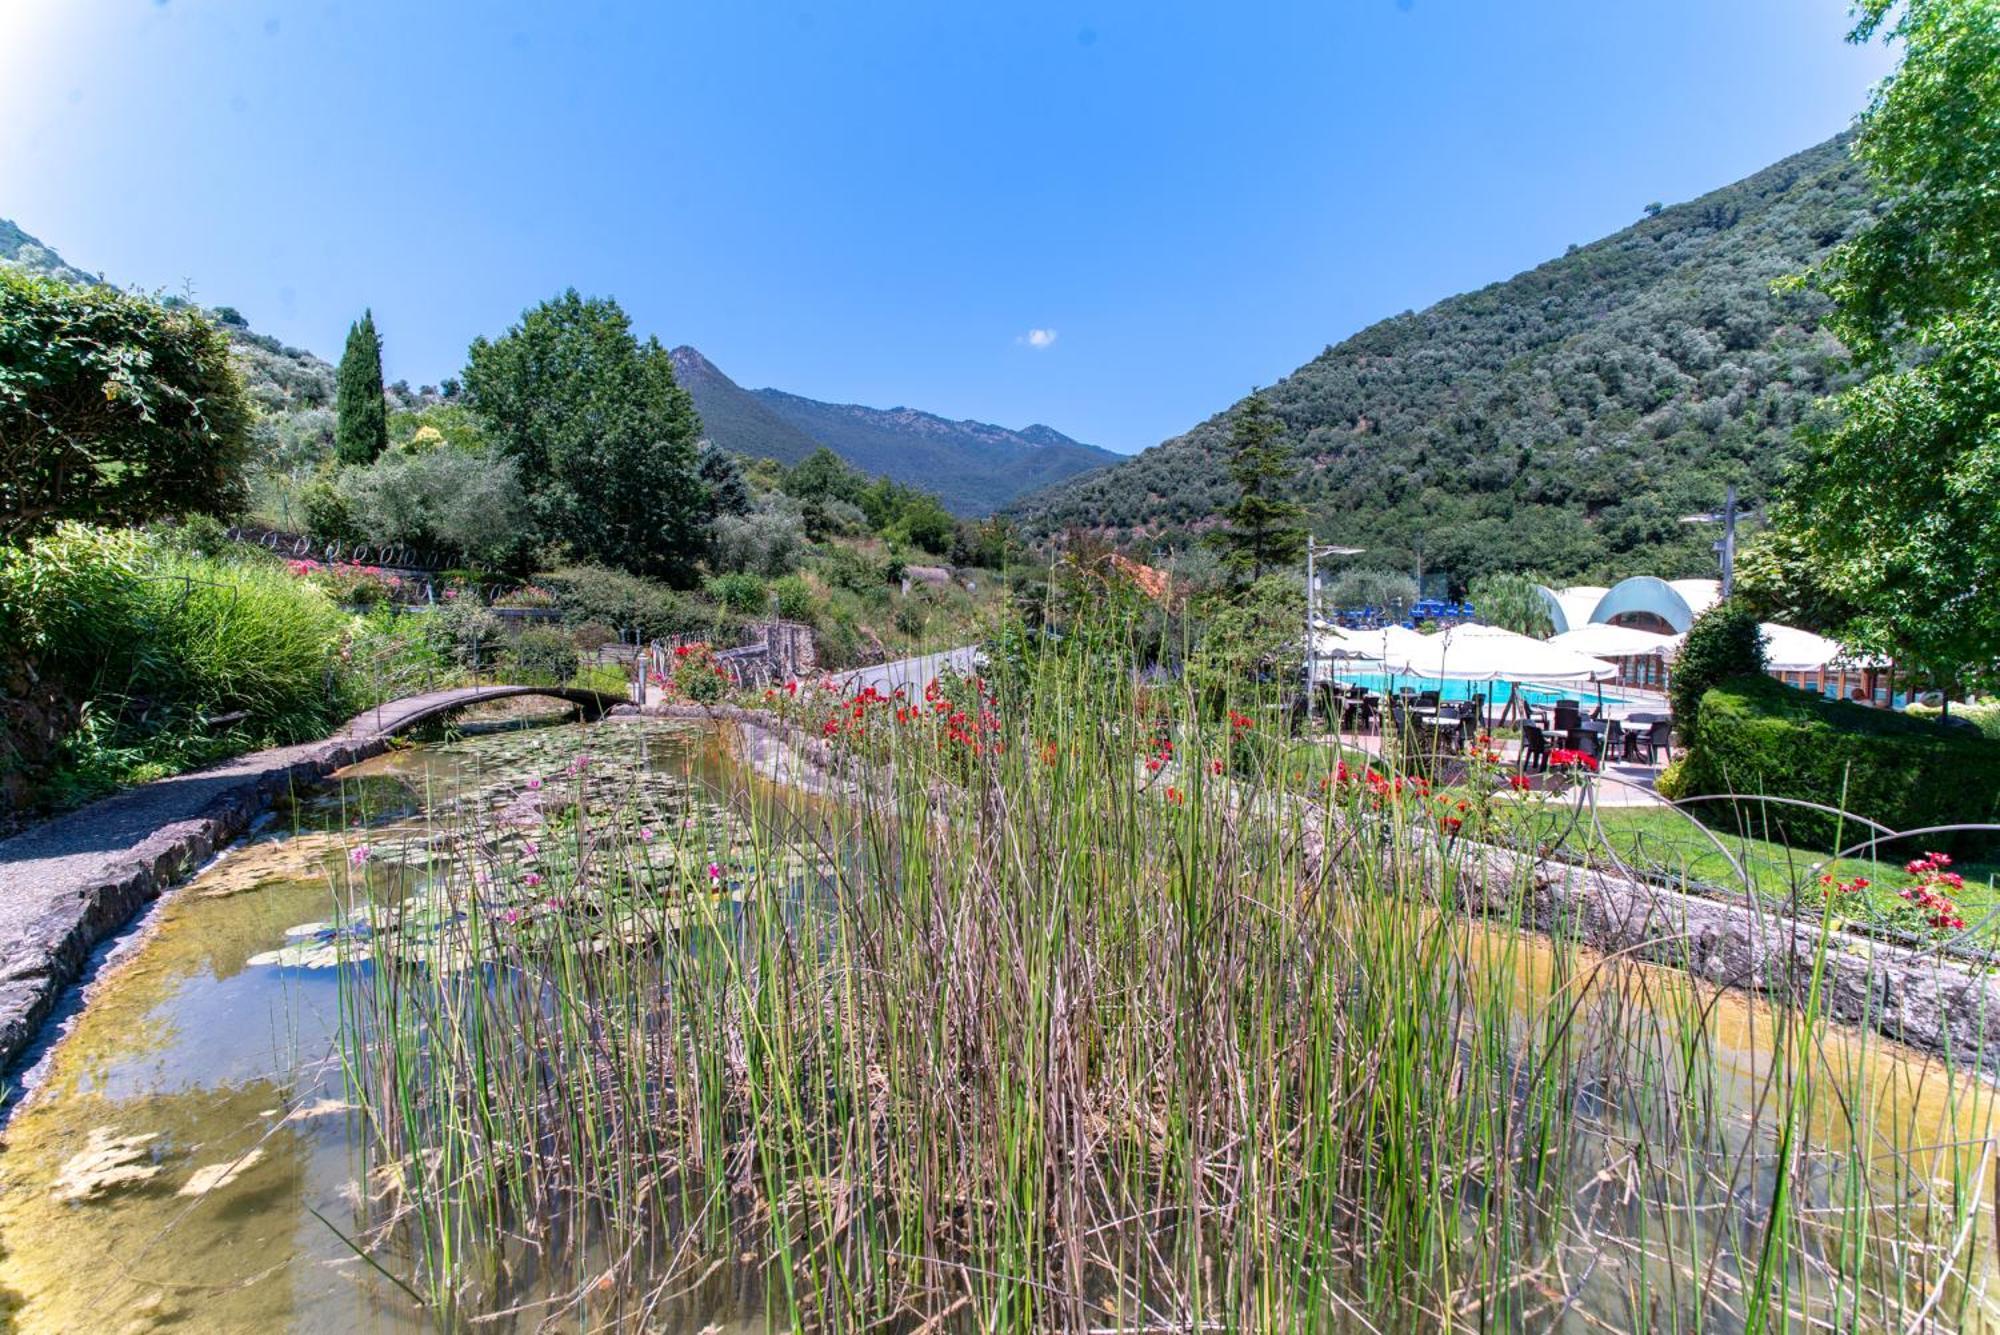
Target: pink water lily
532, 879
534, 783
714, 871
359, 856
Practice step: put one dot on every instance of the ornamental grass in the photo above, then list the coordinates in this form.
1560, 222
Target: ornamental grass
1065, 1015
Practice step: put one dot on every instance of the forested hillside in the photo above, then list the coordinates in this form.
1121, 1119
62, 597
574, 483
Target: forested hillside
975, 467
1562, 421
734, 418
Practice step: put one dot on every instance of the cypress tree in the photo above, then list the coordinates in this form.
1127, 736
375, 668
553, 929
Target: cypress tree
1263, 529
361, 425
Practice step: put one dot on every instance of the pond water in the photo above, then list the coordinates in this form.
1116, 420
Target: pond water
187, 1158
199, 1054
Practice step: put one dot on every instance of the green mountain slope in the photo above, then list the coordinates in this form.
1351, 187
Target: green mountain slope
974, 467
733, 417
278, 378
1562, 421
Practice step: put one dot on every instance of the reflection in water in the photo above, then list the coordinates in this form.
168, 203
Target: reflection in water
187, 1041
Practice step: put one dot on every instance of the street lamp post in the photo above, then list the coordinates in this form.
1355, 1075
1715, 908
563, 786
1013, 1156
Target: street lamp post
1725, 546
1313, 552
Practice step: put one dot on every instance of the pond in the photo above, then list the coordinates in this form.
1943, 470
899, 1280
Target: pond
208, 1057
190, 1153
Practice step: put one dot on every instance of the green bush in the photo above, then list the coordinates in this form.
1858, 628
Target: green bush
845, 568
795, 599
739, 593
158, 644
541, 655
1759, 736
1724, 642
463, 632
628, 603
113, 407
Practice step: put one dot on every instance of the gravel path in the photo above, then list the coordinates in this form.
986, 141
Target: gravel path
68, 884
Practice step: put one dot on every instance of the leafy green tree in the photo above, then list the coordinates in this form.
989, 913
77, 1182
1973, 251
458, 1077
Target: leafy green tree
602, 436
1511, 601
825, 476
113, 408
925, 524
1262, 529
1895, 502
1379, 589
361, 429
728, 493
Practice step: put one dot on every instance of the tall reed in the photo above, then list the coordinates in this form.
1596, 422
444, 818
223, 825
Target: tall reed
1069, 1017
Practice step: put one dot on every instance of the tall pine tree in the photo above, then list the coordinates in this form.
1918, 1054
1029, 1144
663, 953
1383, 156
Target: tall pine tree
361, 425
1263, 530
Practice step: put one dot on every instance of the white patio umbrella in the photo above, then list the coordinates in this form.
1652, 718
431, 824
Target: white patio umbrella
1489, 653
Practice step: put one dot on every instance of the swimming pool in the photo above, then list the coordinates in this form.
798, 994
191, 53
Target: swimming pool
1496, 692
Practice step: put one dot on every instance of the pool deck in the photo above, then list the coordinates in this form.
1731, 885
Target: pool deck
1619, 784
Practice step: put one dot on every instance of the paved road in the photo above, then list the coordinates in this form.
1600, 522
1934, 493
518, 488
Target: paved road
910, 673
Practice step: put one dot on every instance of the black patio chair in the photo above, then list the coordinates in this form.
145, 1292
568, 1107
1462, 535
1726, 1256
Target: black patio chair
1656, 741
1568, 714
1534, 747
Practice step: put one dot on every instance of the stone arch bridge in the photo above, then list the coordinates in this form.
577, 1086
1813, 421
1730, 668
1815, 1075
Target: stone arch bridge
396, 716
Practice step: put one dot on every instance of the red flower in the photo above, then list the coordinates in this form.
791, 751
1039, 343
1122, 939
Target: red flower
1520, 783
1215, 766
1174, 796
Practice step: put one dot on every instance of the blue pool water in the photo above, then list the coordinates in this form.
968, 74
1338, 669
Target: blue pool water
1496, 692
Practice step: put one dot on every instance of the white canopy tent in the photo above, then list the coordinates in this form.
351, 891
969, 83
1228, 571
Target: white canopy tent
1789, 649
1601, 639
1333, 646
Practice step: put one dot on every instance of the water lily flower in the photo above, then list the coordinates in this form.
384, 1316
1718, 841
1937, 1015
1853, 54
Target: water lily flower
646, 834
534, 783
359, 856
532, 879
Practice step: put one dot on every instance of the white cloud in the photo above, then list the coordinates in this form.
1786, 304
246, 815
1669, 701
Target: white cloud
1038, 338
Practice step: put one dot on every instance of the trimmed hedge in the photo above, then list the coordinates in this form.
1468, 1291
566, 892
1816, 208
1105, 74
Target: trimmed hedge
1758, 735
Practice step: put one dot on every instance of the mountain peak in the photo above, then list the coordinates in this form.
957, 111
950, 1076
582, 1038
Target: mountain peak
974, 467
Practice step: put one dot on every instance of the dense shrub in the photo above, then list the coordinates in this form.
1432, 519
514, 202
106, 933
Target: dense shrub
626, 602
767, 542
159, 644
467, 503
795, 599
846, 568
1759, 736
464, 633
113, 408
738, 593
1724, 642
542, 655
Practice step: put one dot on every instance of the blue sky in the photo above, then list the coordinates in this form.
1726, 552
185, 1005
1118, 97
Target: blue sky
881, 202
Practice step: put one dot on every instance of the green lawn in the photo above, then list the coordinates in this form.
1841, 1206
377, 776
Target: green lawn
1664, 839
